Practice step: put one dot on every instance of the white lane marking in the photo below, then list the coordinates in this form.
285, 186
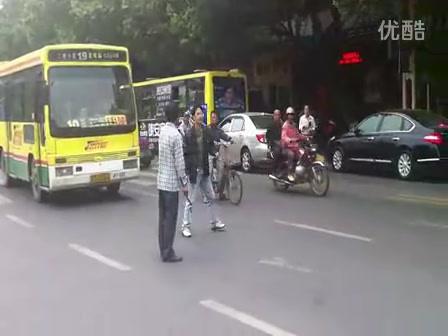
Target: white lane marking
4, 200
147, 173
19, 221
244, 318
282, 263
142, 183
430, 225
98, 257
322, 230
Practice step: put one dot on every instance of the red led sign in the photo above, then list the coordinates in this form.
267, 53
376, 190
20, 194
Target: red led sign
352, 57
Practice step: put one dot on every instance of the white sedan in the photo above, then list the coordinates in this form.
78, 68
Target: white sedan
248, 131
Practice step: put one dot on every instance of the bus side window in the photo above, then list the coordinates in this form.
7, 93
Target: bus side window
29, 101
138, 98
2, 102
179, 94
148, 99
195, 89
17, 101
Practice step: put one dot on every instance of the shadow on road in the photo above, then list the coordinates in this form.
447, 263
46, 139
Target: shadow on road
390, 176
76, 198
86, 198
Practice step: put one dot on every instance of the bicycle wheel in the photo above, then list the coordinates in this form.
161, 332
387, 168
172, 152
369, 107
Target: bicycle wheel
235, 188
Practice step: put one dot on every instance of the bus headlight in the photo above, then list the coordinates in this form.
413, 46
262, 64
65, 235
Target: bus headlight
130, 164
64, 171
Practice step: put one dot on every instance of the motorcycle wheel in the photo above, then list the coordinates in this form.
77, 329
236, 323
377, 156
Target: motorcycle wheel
319, 180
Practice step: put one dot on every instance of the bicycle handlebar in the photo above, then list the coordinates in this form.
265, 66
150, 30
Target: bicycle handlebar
223, 143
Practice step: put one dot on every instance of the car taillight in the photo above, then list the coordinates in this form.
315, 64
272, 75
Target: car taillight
261, 138
443, 125
434, 138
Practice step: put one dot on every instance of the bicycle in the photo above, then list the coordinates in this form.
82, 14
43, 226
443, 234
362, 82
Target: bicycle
231, 180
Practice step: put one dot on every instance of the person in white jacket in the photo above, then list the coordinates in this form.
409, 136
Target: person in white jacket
307, 124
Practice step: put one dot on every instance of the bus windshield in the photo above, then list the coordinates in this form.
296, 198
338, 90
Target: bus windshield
230, 95
90, 101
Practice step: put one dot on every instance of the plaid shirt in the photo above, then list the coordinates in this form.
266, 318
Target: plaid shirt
171, 159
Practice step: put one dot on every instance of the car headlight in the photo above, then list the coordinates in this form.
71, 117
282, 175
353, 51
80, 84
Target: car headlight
64, 171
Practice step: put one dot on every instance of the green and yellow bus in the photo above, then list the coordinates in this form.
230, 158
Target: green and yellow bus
68, 119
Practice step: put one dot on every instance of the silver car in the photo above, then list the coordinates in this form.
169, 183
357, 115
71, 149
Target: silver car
248, 131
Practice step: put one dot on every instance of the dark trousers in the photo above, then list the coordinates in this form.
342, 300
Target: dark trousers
168, 209
277, 160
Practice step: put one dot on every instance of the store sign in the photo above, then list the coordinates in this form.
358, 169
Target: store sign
352, 57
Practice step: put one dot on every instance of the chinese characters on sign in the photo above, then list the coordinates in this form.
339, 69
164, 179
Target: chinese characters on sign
86, 55
408, 30
150, 130
352, 57
163, 98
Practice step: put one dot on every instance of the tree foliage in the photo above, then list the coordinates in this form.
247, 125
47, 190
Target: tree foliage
164, 36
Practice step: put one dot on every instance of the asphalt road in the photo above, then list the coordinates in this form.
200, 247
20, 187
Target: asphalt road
370, 259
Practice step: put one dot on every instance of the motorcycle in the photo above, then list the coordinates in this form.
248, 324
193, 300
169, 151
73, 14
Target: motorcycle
308, 170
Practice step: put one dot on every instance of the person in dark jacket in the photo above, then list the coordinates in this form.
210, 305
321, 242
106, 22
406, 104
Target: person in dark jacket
273, 137
198, 146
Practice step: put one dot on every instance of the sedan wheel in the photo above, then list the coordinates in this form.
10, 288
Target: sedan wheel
246, 161
404, 166
338, 160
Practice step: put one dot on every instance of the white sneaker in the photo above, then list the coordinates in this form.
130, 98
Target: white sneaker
186, 232
218, 226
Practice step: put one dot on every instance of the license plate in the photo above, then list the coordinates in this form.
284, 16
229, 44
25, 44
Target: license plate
100, 178
320, 158
117, 176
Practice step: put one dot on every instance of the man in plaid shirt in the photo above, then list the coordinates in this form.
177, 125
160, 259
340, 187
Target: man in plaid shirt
170, 179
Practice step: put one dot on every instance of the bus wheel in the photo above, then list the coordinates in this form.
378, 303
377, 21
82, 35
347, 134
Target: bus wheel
39, 195
5, 180
113, 188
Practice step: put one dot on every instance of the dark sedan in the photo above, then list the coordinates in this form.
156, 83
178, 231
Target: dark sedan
405, 140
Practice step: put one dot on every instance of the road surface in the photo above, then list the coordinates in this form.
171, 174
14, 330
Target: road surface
370, 259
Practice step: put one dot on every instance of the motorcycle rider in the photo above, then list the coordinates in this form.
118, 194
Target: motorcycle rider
273, 138
290, 141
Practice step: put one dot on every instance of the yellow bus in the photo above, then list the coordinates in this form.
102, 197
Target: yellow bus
222, 91
68, 119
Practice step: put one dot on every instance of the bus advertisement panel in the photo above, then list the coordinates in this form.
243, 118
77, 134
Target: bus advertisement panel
150, 130
71, 112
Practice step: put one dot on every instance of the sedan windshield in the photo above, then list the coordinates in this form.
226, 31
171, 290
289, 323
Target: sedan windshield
88, 101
